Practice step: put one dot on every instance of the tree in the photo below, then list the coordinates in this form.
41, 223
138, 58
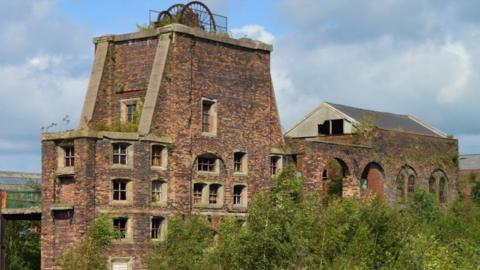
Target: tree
89, 253
22, 244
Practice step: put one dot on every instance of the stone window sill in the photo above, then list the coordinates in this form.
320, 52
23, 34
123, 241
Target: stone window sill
158, 168
209, 134
242, 174
208, 173
208, 206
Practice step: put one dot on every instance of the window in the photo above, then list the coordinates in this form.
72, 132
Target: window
157, 227
208, 116
275, 164
213, 194
411, 184
131, 113
432, 182
438, 185
207, 194
159, 192
130, 110
159, 155
69, 156
198, 193
239, 162
206, 163
331, 127
239, 195
120, 224
405, 183
119, 190
120, 154
442, 190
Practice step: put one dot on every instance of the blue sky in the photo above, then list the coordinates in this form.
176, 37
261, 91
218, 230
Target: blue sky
409, 57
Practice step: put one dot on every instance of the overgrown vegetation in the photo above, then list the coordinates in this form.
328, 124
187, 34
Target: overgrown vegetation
22, 243
365, 130
88, 255
289, 229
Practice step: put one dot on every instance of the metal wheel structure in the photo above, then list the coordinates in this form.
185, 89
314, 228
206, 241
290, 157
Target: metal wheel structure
163, 19
193, 14
196, 14
175, 10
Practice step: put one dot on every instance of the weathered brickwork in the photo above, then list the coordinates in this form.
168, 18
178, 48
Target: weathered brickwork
235, 75
391, 150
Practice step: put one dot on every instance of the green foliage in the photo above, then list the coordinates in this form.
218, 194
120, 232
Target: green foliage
365, 130
89, 253
287, 228
22, 242
185, 246
423, 205
145, 27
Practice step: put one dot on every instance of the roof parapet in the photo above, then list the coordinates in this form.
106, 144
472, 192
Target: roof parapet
196, 32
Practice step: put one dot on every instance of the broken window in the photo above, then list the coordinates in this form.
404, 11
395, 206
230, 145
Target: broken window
331, 127
239, 163
275, 164
120, 153
207, 163
432, 182
120, 224
208, 116
120, 190
213, 194
411, 184
159, 155
198, 193
158, 191
132, 113
69, 156
156, 228
442, 190
238, 195
405, 183
438, 185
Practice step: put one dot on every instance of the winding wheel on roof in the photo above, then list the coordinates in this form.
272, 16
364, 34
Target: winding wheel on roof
194, 14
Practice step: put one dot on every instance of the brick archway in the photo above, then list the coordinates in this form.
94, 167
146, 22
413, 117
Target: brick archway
374, 177
334, 175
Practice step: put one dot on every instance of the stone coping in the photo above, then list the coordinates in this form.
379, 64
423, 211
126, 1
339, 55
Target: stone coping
196, 32
128, 136
21, 211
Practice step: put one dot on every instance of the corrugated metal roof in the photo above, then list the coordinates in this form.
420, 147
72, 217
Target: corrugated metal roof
387, 120
18, 180
469, 162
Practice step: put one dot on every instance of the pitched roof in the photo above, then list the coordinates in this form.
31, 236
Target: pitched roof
387, 120
469, 162
18, 180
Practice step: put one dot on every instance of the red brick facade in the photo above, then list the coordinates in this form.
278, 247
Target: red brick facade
235, 75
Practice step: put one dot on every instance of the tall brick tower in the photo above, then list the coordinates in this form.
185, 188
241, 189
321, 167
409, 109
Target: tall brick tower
176, 120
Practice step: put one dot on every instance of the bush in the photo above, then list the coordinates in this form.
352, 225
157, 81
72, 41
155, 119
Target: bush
89, 253
287, 228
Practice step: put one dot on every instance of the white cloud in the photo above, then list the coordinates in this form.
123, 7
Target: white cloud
253, 31
410, 57
44, 64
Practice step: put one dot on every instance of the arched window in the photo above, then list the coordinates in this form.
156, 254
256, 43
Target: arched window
406, 182
438, 185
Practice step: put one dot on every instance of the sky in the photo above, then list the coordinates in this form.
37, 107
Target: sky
418, 57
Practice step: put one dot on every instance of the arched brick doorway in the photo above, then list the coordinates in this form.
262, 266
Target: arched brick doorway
373, 179
333, 175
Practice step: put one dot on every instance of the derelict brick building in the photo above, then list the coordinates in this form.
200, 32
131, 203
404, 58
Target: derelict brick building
179, 121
